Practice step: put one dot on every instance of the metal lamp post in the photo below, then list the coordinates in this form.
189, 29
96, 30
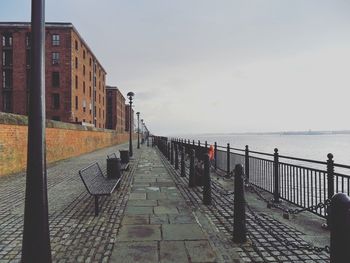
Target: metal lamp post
36, 236
143, 140
138, 130
130, 95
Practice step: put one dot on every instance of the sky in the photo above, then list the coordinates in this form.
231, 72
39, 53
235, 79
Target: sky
204, 66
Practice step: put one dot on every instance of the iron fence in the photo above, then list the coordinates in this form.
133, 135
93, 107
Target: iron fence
303, 182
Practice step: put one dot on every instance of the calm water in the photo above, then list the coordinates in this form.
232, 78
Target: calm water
314, 147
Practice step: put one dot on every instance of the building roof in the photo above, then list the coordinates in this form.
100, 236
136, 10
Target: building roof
52, 25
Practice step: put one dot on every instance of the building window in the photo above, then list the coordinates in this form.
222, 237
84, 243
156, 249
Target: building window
76, 45
84, 105
55, 79
56, 101
7, 79
95, 96
84, 70
90, 91
84, 54
99, 98
76, 102
76, 62
76, 81
7, 102
90, 62
56, 118
76, 119
55, 40
90, 108
28, 40
84, 87
7, 58
7, 40
90, 75
55, 58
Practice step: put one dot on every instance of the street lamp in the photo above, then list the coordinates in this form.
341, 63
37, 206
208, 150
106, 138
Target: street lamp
138, 129
130, 95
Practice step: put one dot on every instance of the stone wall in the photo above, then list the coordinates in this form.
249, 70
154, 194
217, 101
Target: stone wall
63, 140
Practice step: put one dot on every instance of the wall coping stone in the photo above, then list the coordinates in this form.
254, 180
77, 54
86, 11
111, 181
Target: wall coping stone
15, 119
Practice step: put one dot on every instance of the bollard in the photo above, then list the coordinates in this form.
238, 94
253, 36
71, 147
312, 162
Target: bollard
246, 165
183, 174
191, 180
239, 219
207, 182
339, 222
176, 157
228, 168
276, 190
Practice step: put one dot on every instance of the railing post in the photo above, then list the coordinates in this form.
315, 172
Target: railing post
228, 161
246, 165
171, 152
276, 190
193, 142
340, 230
239, 218
330, 181
330, 175
199, 143
168, 150
215, 155
183, 173
191, 180
207, 182
206, 145
176, 157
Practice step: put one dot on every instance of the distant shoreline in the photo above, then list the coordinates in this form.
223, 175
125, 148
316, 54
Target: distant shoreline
276, 133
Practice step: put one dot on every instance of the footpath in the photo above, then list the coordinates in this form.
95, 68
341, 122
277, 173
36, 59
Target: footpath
152, 217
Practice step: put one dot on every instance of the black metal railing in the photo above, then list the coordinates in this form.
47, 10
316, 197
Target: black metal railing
303, 182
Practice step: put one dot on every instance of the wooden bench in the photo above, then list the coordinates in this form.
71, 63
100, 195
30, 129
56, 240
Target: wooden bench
96, 183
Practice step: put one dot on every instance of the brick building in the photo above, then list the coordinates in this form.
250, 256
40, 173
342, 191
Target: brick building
127, 120
75, 80
115, 116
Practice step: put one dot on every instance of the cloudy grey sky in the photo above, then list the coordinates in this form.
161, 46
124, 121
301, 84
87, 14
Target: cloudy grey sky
219, 66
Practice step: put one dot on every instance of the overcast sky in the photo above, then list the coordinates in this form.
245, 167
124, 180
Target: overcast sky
219, 66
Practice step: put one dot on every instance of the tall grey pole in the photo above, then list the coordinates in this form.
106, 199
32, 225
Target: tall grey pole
138, 130
36, 235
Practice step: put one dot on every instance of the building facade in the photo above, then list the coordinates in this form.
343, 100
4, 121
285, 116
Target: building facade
75, 80
127, 118
115, 118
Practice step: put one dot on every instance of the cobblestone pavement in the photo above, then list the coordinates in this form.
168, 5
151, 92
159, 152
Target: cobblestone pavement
76, 234
268, 239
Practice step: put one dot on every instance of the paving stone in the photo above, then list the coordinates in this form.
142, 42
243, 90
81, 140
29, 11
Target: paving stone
137, 196
159, 219
139, 233
138, 210
142, 203
135, 220
128, 252
200, 251
173, 251
182, 232
156, 196
165, 210
181, 219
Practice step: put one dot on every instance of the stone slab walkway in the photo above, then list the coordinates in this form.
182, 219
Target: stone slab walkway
158, 225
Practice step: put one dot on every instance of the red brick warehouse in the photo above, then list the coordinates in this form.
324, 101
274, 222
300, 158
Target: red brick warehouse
75, 80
